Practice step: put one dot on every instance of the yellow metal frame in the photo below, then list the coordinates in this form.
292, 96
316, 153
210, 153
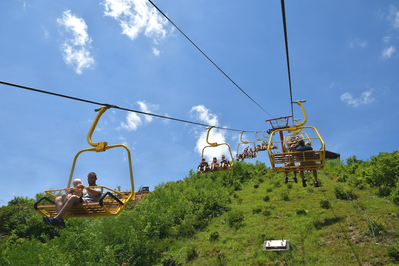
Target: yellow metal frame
246, 143
213, 145
124, 197
285, 161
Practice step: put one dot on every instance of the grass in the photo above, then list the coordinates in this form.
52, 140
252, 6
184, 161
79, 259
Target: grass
339, 234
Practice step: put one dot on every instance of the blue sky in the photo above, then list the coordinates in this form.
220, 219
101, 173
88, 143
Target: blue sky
343, 56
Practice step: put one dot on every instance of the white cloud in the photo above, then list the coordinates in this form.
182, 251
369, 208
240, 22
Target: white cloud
155, 51
201, 113
387, 53
75, 49
358, 43
365, 98
148, 108
135, 17
394, 16
133, 120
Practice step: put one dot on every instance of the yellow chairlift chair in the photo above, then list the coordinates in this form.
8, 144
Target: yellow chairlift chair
244, 142
111, 203
213, 145
285, 160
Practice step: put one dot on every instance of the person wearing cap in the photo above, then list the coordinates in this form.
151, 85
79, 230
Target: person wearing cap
303, 147
89, 194
214, 164
224, 163
203, 166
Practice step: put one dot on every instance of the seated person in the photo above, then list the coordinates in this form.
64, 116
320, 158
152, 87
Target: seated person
88, 195
214, 164
224, 163
250, 153
73, 192
303, 147
240, 156
264, 145
258, 148
245, 152
203, 167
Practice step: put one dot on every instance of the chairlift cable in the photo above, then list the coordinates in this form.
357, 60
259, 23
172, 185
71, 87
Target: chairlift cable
160, 11
114, 106
288, 59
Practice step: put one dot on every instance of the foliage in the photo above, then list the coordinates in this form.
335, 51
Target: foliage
214, 236
201, 210
325, 204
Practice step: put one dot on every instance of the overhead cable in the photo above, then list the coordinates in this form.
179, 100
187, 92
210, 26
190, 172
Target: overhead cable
117, 107
288, 59
160, 11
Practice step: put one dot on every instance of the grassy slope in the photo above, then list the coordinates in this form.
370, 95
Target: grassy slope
337, 236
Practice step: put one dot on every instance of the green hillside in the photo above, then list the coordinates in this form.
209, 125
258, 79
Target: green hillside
224, 219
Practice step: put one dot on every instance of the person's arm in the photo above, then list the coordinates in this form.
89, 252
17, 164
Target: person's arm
93, 191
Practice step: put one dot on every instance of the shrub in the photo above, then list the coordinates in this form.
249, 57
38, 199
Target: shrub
285, 195
325, 204
267, 212
235, 218
214, 236
277, 184
266, 198
260, 180
393, 253
341, 194
269, 189
256, 210
256, 185
192, 254
289, 185
300, 211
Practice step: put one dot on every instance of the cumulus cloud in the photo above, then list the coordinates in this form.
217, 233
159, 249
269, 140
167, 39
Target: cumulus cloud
204, 115
365, 98
387, 53
133, 120
76, 49
135, 17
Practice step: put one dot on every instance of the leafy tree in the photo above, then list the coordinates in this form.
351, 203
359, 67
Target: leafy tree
383, 172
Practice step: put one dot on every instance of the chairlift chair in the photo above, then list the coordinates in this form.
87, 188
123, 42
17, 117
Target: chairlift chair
244, 142
284, 160
111, 203
214, 145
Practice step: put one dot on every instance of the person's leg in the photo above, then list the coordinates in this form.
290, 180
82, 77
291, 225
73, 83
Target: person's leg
295, 179
303, 178
68, 205
59, 204
316, 183
58, 219
286, 177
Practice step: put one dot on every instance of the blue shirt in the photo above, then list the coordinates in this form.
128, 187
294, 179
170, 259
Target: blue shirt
304, 148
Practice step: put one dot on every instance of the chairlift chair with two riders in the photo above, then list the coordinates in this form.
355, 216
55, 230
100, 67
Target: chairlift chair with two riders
111, 203
230, 163
284, 160
244, 142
